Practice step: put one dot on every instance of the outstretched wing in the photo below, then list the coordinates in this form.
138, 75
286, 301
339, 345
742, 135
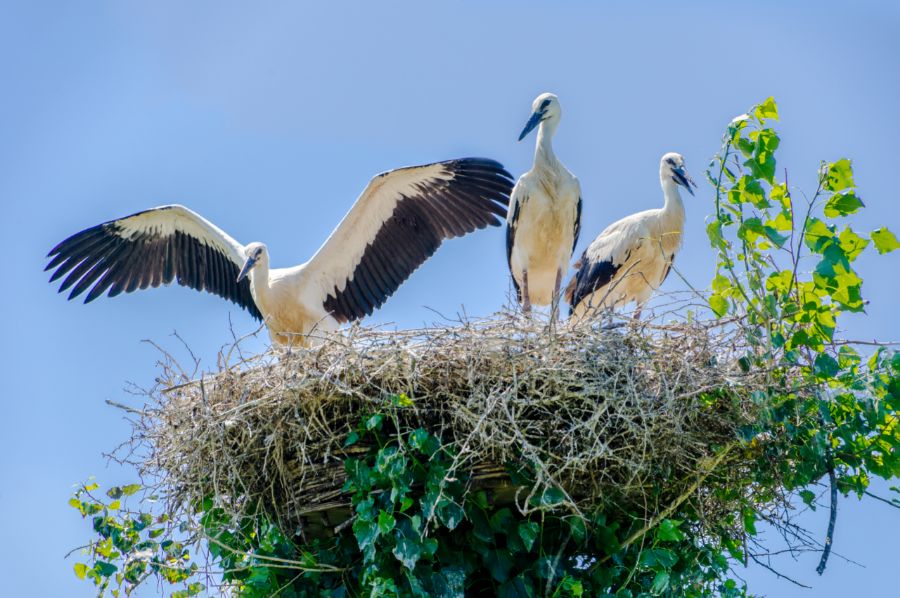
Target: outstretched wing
397, 223
149, 249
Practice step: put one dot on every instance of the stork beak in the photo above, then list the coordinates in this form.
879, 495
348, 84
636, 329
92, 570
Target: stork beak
684, 179
248, 265
534, 121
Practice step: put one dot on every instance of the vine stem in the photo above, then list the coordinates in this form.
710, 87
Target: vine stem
272, 561
654, 521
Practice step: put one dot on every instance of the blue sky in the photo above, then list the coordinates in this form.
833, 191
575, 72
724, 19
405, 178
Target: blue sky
270, 118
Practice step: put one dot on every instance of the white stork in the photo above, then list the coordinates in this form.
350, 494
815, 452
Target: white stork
396, 224
632, 257
544, 216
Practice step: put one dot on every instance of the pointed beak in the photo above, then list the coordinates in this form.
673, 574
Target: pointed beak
534, 121
248, 265
684, 179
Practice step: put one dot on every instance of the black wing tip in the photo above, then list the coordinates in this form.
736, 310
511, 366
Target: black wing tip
482, 164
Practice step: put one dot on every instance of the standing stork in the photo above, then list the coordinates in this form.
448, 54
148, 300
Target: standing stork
632, 257
544, 216
396, 224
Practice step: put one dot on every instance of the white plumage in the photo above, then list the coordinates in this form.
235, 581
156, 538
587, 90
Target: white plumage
632, 257
396, 224
544, 215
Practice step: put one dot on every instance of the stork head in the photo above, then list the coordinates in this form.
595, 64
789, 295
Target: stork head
255, 253
545, 108
671, 167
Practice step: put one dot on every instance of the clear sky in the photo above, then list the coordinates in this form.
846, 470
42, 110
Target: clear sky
269, 119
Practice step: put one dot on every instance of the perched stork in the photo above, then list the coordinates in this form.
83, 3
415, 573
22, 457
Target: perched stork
632, 257
544, 215
396, 224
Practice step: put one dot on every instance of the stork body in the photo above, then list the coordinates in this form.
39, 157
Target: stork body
286, 298
396, 224
632, 257
544, 215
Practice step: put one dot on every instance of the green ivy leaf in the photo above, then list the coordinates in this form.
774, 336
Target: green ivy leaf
749, 520
131, 489
502, 521
658, 558
885, 241
374, 422
851, 243
714, 233
767, 110
386, 522
365, 532
780, 194
81, 570
499, 563
808, 497
825, 366
843, 204
450, 514
668, 531
104, 569
748, 190
528, 531
818, 235
552, 497
840, 175
718, 304
660, 583
408, 551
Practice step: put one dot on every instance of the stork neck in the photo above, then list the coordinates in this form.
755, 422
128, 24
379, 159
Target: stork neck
543, 151
259, 282
673, 203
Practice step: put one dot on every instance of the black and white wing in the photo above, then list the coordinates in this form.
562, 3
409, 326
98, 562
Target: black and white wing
577, 224
397, 223
604, 257
149, 249
516, 202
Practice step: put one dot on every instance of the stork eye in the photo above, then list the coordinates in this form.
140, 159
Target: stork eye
671, 161
545, 103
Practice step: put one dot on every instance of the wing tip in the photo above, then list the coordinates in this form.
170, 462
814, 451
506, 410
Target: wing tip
479, 163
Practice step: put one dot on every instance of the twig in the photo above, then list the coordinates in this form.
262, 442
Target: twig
884, 500
125, 408
778, 573
831, 520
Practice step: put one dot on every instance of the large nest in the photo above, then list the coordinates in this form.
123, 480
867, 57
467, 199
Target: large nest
632, 413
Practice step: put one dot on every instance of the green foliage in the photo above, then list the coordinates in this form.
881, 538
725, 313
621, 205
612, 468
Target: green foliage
786, 267
420, 526
130, 546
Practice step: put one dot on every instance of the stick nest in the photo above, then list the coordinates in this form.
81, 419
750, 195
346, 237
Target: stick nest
626, 414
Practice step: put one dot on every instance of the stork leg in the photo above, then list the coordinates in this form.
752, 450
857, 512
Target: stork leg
526, 298
554, 300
